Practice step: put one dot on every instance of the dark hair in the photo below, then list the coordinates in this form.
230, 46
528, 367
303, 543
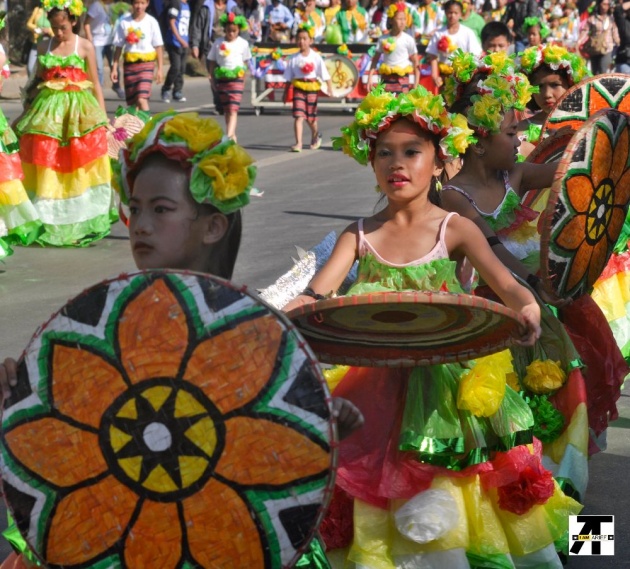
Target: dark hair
494, 30
465, 94
533, 105
73, 19
224, 252
598, 5
449, 3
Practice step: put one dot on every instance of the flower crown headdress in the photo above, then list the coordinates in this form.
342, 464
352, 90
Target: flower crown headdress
74, 7
232, 18
536, 21
308, 27
380, 108
466, 66
221, 172
555, 57
497, 94
397, 7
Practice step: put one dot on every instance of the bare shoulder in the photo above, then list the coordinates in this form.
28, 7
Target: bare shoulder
85, 47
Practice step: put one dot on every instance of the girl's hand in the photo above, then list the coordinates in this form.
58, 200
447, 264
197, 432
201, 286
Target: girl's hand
299, 300
114, 75
158, 77
438, 81
531, 333
349, 417
8, 376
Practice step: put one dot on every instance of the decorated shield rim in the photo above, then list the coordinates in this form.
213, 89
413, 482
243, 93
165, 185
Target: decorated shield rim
549, 214
549, 122
289, 328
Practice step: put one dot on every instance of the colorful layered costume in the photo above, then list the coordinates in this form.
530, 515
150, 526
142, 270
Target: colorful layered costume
19, 222
63, 147
445, 471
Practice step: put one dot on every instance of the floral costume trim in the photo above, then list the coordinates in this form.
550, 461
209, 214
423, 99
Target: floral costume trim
380, 108
385, 69
555, 57
225, 73
136, 57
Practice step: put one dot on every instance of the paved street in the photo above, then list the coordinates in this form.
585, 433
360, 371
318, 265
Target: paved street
306, 195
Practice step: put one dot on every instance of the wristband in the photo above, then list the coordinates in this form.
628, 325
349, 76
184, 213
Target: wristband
493, 240
308, 291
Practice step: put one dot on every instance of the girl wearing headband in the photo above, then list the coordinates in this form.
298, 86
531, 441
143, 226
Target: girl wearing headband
227, 65
436, 476
63, 136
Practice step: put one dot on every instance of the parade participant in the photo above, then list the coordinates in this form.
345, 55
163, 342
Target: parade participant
398, 52
514, 16
483, 508
306, 72
472, 19
496, 36
185, 185
39, 26
176, 42
488, 190
19, 222
227, 65
353, 21
536, 31
447, 39
553, 69
431, 18
137, 36
311, 14
98, 30
63, 142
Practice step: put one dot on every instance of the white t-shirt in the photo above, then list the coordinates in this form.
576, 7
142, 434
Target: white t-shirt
99, 24
294, 68
237, 53
464, 38
402, 53
150, 35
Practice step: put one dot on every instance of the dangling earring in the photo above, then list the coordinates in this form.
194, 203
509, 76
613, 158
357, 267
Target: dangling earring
377, 189
438, 184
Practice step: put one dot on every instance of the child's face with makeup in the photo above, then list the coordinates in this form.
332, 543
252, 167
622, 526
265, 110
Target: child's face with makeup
166, 228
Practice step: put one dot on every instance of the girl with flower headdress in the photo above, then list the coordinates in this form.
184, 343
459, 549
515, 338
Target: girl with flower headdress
488, 190
398, 52
536, 30
138, 37
445, 472
552, 69
63, 136
227, 63
447, 39
306, 72
313, 16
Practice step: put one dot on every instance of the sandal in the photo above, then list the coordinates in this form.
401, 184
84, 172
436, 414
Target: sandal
296, 148
316, 141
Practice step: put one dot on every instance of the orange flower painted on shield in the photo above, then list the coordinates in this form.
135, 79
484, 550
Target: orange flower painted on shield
159, 463
598, 203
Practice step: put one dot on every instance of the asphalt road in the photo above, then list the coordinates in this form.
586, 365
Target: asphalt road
306, 195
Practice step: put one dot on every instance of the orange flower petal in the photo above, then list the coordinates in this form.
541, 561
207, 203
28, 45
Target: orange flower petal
573, 233
622, 189
620, 158
227, 538
258, 451
615, 225
601, 158
579, 191
153, 334
155, 539
230, 383
598, 260
579, 266
58, 452
71, 368
89, 521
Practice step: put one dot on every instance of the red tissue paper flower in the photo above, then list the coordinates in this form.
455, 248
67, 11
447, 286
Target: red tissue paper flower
307, 68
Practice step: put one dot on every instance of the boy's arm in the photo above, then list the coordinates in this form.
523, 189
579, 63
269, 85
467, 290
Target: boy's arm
115, 60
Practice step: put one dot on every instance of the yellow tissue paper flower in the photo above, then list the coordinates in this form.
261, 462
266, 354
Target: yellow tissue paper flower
373, 105
228, 171
544, 376
199, 134
481, 389
461, 138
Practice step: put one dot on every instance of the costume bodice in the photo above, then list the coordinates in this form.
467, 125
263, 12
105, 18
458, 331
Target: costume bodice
432, 272
50, 61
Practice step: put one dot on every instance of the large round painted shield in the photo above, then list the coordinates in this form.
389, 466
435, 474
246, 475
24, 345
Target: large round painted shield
171, 420
583, 100
587, 205
344, 76
405, 329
